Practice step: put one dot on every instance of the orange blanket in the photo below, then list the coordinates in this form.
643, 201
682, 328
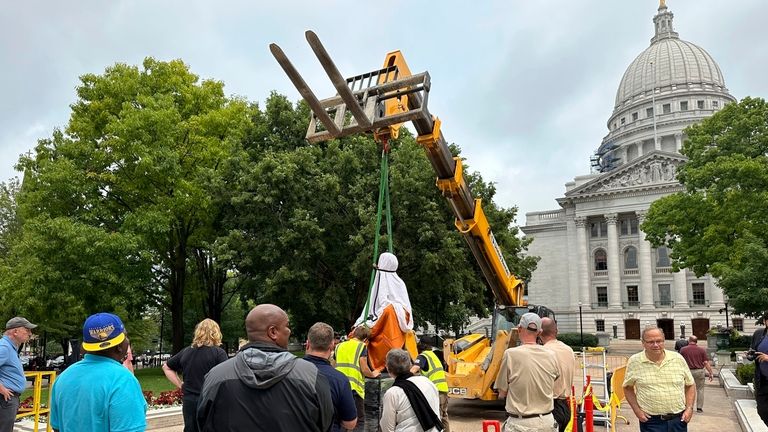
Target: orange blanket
385, 335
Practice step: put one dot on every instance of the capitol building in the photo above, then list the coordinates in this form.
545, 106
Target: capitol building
596, 268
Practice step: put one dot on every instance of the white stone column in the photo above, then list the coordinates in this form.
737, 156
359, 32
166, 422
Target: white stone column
715, 294
583, 260
646, 268
614, 270
679, 141
681, 289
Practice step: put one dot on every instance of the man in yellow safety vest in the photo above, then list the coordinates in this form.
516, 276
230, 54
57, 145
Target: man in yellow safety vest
352, 360
430, 366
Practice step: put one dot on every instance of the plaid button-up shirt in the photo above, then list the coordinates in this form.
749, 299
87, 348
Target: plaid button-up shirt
660, 388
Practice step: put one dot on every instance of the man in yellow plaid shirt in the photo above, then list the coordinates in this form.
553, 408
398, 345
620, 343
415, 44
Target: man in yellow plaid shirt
659, 386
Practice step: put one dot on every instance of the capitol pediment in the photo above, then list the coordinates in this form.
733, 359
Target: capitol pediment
656, 169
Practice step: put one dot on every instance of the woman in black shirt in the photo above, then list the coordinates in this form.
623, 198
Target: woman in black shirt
193, 363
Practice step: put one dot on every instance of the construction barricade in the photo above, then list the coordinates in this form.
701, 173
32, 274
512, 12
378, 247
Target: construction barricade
38, 407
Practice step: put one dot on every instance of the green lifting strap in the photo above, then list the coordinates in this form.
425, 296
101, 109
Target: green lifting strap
383, 207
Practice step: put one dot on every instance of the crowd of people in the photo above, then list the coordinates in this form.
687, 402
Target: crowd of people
265, 387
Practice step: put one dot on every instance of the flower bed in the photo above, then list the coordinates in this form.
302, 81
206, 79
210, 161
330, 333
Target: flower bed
166, 398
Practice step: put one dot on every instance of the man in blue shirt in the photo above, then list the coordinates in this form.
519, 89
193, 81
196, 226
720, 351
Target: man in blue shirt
319, 348
97, 394
12, 381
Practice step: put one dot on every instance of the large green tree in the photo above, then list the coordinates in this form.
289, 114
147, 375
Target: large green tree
719, 224
303, 217
113, 206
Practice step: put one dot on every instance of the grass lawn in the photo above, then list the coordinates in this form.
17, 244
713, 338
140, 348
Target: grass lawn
151, 379
154, 380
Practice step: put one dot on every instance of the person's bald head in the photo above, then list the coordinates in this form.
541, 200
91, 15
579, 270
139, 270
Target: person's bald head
548, 329
268, 323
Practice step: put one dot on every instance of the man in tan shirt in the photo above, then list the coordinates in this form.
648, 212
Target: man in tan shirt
567, 363
526, 379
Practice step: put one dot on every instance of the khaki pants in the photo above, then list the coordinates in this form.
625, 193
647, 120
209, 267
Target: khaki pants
545, 423
444, 411
699, 376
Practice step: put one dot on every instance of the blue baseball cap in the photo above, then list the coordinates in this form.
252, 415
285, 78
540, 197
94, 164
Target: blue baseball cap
101, 331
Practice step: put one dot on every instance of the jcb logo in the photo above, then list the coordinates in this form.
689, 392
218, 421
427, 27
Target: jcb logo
458, 391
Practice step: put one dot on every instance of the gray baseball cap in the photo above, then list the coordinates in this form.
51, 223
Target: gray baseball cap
530, 321
17, 322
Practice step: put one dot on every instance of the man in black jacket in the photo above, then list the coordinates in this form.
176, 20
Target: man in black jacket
264, 387
759, 353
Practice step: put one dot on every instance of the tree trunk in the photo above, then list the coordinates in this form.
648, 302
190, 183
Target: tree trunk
212, 279
177, 282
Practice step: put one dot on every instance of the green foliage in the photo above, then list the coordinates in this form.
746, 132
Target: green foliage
113, 204
739, 341
163, 198
302, 225
573, 340
718, 224
9, 222
745, 373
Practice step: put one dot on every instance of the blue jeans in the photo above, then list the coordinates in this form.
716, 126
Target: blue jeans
656, 424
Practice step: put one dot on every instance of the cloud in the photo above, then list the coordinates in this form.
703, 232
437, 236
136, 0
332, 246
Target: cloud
525, 88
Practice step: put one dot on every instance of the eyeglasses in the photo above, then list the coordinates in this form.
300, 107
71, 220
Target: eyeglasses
656, 342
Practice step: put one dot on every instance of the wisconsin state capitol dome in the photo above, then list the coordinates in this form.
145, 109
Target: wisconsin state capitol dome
670, 85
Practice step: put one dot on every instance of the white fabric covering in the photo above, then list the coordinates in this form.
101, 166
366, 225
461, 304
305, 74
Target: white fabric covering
388, 289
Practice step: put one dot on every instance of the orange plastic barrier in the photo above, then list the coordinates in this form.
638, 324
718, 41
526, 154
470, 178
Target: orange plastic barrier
487, 424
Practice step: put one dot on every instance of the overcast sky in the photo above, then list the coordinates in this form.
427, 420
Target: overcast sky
524, 87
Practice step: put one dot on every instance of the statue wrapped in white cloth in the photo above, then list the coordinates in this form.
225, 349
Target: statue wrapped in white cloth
387, 312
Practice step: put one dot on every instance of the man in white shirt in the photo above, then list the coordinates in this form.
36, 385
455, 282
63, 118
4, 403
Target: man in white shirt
567, 363
412, 404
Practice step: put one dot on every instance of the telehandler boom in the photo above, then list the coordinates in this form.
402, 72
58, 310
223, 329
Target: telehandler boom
379, 102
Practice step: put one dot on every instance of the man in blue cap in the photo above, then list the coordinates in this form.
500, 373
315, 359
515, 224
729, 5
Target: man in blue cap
97, 394
18, 330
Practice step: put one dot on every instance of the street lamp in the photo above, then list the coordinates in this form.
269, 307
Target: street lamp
725, 300
581, 325
615, 330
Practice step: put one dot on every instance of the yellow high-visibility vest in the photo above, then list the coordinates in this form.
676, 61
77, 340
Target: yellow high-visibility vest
436, 373
348, 362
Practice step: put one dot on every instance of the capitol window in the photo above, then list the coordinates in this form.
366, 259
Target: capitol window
666, 108
738, 324
649, 112
623, 120
715, 104
602, 296
634, 116
684, 106
601, 260
700, 104
598, 229
665, 295
697, 291
630, 258
600, 325
628, 226
632, 297
662, 257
